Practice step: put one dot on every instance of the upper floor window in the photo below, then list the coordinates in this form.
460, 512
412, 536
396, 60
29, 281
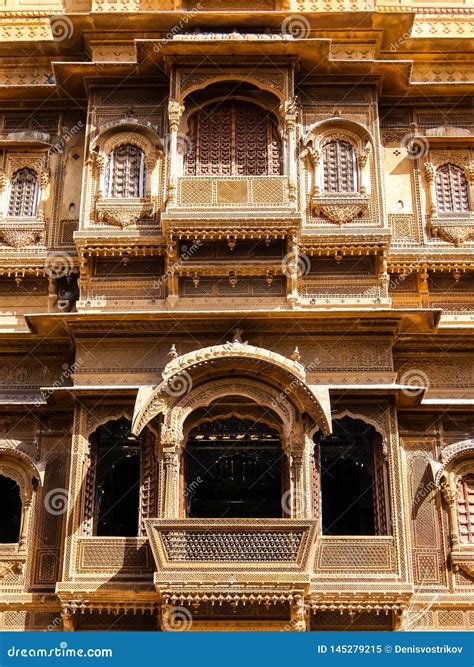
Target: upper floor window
354, 481
10, 503
465, 508
125, 177
452, 190
233, 138
23, 193
340, 167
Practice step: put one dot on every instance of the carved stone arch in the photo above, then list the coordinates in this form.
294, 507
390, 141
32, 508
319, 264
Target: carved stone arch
285, 376
177, 413
451, 458
27, 473
191, 84
363, 418
130, 129
336, 124
239, 414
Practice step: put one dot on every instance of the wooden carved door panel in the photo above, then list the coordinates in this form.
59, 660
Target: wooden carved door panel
233, 138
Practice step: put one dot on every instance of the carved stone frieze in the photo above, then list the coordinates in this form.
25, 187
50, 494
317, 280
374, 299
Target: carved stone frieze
456, 231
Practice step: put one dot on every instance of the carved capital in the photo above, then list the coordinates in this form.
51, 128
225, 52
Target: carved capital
175, 111
289, 112
429, 172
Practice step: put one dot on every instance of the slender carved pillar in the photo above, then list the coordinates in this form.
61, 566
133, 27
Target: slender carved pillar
450, 494
171, 484
289, 111
68, 618
298, 615
292, 266
297, 486
175, 111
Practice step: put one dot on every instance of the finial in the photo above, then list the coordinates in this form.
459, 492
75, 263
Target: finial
172, 353
295, 355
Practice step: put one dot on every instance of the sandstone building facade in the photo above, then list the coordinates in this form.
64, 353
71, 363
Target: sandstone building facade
236, 311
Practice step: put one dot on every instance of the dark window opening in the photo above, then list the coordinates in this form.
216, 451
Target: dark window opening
10, 503
117, 486
233, 469
353, 481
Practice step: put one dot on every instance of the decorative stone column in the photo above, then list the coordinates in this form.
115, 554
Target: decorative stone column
298, 615
292, 266
171, 483
68, 617
289, 112
450, 494
297, 486
172, 278
175, 111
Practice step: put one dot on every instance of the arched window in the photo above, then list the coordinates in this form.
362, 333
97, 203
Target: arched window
233, 138
354, 485
24, 193
465, 508
10, 504
452, 190
117, 480
125, 176
233, 469
340, 167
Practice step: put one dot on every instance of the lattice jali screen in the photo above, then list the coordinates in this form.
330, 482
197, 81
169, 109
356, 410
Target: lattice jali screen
334, 620
232, 546
222, 191
321, 290
102, 556
356, 555
404, 228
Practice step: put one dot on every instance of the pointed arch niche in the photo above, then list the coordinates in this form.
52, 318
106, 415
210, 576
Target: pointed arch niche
247, 394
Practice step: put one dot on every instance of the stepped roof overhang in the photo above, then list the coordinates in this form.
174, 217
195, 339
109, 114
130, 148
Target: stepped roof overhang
149, 50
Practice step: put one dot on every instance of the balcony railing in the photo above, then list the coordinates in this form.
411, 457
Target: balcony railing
193, 547
233, 192
355, 556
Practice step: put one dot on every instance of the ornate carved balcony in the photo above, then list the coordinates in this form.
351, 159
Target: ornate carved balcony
202, 551
453, 228
340, 208
124, 213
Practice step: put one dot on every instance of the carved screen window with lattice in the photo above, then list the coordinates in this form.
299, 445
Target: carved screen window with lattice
465, 508
233, 139
126, 172
23, 193
452, 190
339, 163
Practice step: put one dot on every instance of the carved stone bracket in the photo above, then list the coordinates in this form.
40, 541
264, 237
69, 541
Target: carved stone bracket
123, 214
340, 209
456, 231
